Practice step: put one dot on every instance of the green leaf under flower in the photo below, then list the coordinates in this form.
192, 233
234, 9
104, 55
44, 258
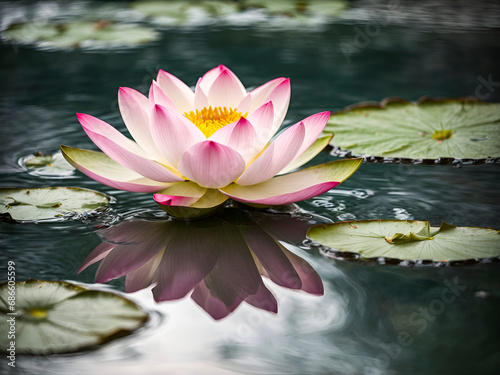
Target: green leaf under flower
429, 129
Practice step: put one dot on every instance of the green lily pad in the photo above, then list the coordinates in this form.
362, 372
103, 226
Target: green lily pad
180, 12
47, 165
49, 202
59, 317
408, 240
429, 129
80, 34
295, 8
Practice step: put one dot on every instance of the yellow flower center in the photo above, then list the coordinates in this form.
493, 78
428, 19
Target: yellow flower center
209, 120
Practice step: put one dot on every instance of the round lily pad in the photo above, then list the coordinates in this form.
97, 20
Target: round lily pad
294, 8
408, 240
47, 165
48, 317
80, 34
428, 129
49, 202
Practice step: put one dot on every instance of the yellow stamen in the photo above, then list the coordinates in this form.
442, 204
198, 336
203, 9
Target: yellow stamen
209, 120
38, 313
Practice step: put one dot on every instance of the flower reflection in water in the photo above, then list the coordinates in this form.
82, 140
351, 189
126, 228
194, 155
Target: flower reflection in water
220, 259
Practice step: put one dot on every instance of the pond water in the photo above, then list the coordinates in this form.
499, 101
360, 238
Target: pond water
372, 319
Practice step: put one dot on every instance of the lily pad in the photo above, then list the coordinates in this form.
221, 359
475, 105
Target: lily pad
182, 12
49, 202
294, 8
59, 317
81, 34
47, 165
428, 129
409, 240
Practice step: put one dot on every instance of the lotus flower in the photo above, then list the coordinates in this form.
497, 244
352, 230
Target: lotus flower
220, 260
197, 149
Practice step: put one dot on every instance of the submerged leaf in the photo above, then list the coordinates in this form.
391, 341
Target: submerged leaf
60, 317
49, 202
428, 129
410, 240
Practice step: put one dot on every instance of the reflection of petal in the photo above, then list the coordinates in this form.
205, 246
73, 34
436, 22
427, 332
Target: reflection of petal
221, 259
235, 274
311, 282
143, 276
190, 256
270, 255
210, 303
263, 299
126, 258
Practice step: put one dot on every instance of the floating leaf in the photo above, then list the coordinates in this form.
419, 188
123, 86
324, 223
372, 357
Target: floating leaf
49, 202
428, 129
47, 165
294, 8
84, 34
410, 240
59, 317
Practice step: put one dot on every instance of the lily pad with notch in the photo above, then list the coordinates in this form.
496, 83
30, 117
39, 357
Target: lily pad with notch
61, 317
18, 204
430, 129
408, 240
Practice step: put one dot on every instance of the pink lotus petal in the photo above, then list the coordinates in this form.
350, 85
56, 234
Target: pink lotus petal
314, 125
277, 156
263, 119
158, 97
271, 257
240, 136
176, 90
98, 126
280, 97
145, 167
173, 133
134, 108
211, 76
105, 170
296, 186
211, 164
226, 91
175, 200
245, 103
313, 150
261, 93
200, 98
281, 199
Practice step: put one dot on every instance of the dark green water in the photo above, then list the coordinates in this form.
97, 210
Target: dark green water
372, 319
